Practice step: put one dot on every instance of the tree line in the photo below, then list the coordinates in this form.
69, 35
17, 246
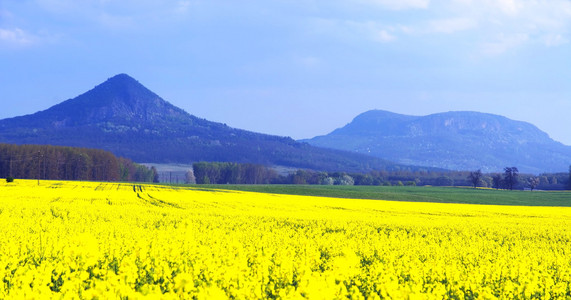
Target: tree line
512, 179
231, 173
509, 180
236, 173
69, 163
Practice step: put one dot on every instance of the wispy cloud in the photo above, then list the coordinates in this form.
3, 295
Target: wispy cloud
183, 6
496, 26
506, 24
16, 37
350, 30
113, 21
451, 25
374, 31
504, 43
510, 7
384, 36
123, 14
398, 4
553, 40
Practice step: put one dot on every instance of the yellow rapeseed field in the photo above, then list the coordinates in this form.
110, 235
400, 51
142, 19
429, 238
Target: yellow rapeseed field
69, 240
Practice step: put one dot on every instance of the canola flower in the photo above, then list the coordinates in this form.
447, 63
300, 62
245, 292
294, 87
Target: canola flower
87, 240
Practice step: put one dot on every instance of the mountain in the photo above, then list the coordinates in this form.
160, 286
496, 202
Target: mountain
451, 140
127, 119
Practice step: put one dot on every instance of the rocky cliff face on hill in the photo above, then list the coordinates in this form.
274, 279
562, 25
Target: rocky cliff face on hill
124, 117
452, 140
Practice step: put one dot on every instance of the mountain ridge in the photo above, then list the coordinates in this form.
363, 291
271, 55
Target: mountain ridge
122, 116
458, 140
105, 101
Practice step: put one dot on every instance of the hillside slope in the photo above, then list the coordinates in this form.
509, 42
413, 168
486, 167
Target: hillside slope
124, 117
452, 140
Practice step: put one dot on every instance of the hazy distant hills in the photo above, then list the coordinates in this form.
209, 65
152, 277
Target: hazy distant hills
124, 117
452, 140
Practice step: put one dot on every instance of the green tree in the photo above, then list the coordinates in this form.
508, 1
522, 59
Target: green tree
511, 177
497, 181
63, 163
475, 177
444, 181
155, 174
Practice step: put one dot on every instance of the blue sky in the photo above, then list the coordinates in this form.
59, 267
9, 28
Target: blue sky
297, 68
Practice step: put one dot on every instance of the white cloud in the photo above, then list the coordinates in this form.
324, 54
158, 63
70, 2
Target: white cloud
510, 7
355, 30
498, 26
451, 25
16, 37
504, 43
526, 22
384, 36
372, 30
116, 14
553, 40
183, 6
398, 4
493, 26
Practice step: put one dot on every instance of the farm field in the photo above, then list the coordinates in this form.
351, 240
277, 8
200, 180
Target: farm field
466, 195
116, 240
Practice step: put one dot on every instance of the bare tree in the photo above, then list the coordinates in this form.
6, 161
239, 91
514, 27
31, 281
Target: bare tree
532, 182
475, 177
189, 177
344, 180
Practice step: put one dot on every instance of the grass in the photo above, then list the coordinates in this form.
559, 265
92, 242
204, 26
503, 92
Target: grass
414, 194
